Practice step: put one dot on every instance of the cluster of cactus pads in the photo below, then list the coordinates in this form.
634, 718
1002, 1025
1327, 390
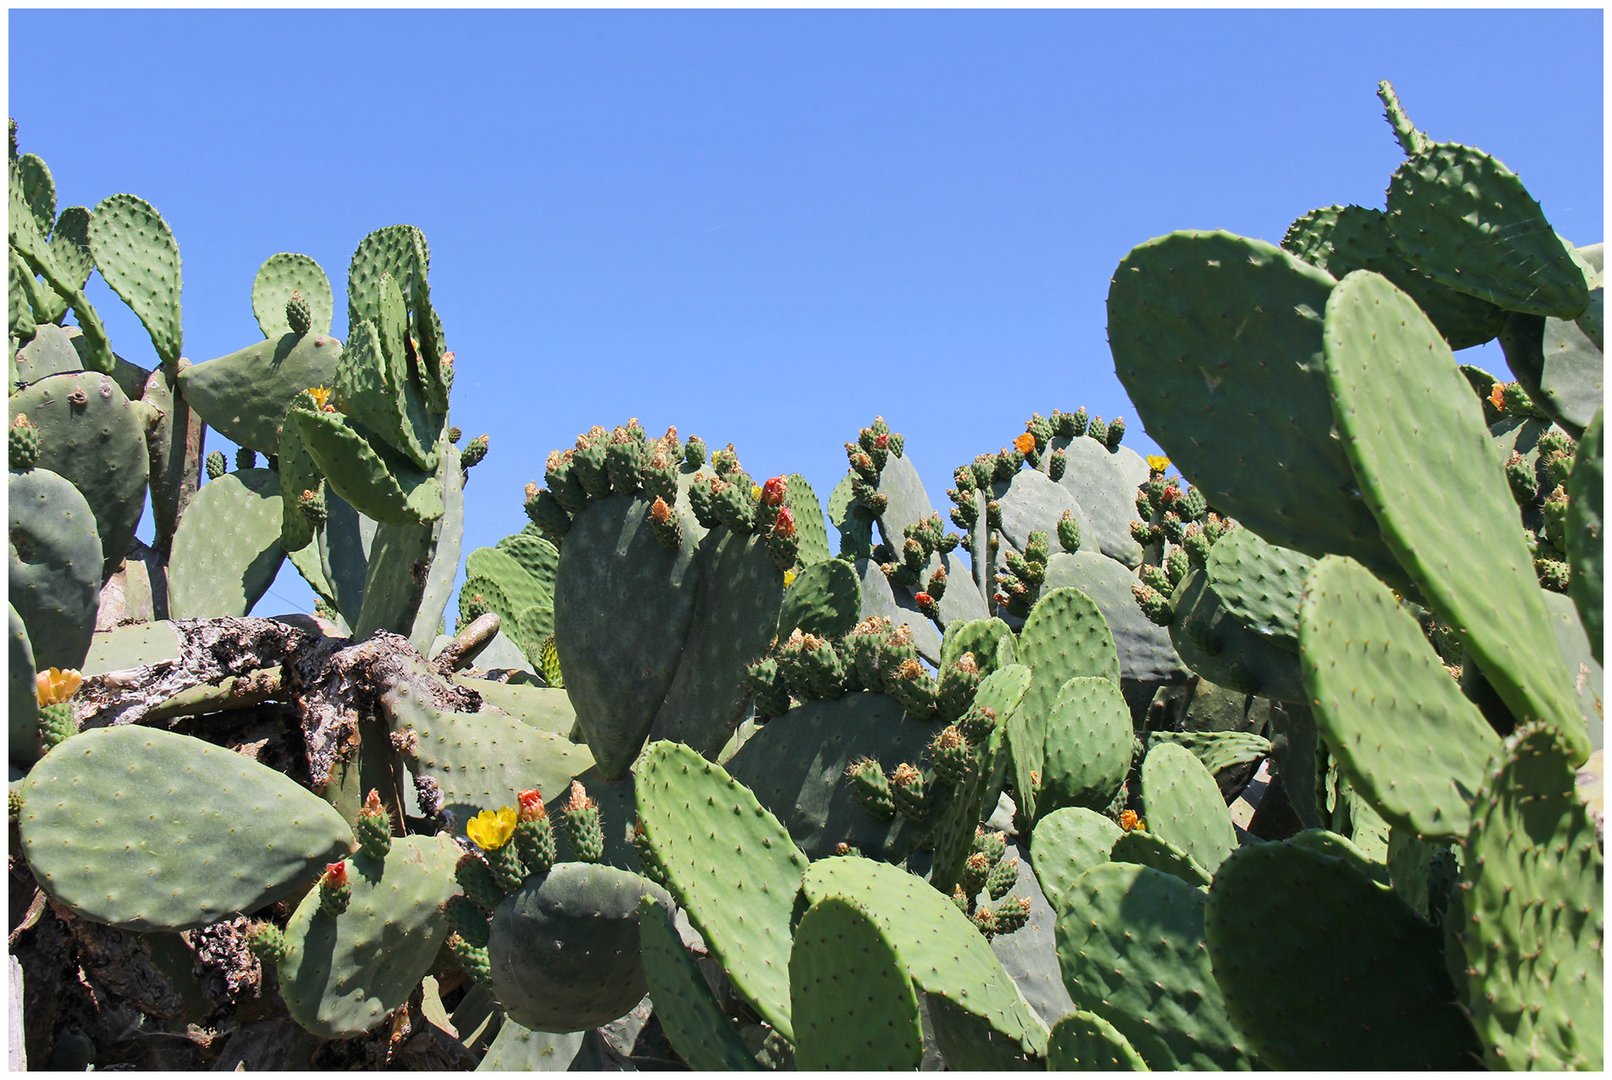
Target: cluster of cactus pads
1280, 752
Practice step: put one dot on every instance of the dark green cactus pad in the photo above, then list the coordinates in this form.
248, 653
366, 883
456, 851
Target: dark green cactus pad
1031, 501
166, 832
1219, 751
1131, 943
1259, 584
21, 324
282, 274
378, 482
1107, 497
442, 539
1374, 995
624, 602
480, 760
732, 867
1586, 550
532, 550
38, 191
138, 257
688, 1012
1572, 639
1532, 925
244, 395
1392, 716
519, 1049
565, 947
909, 502
1146, 653
1085, 1042
70, 250
795, 765
1342, 239
1213, 333
942, 952
1400, 398
344, 974
1184, 806
1422, 873
1570, 383
852, 522
22, 716
298, 473
54, 572
1150, 849
825, 599
1467, 222
86, 426
852, 1001
1221, 649
400, 559
226, 550
736, 611
810, 530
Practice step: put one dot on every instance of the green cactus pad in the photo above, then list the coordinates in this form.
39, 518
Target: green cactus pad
54, 573
1342, 239
825, 599
516, 590
244, 395
1004, 691
1218, 750
1184, 805
541, 707
226, 551
480, 760
990, 640
1106, 497
565, 947
1585, 542
1150, 849
810, 531
166, 832
1221, 649
1085, 1042
1467, 222
730, 864
1383, 702
131, 646
86, 426
735, 612
1259, 584
1146, 653
1400, 398
377, 482
70, 250
1064, 636
1080, 749
38, 190
939, 948
48, 352
1066, 843
1532, 925
138, 257
623, 606
518, 1049
795, 765
374, 387
687, 1010
879, 598
22, 716
1031, 501
1375, 993
853, 1003
344, 974
1131, 944
281, 275
441, 541
1213, 333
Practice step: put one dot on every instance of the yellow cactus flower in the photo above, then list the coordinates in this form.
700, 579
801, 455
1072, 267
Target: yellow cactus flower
491, 829
56, 686
1157, 462
755, 492
789, 578
1025, 443
320, 395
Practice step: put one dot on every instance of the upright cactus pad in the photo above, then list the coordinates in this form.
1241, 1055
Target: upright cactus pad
1085, 1042
1184, 805
54, 570
853, 1002
282, 276
226, 550
139, 258
684, 1005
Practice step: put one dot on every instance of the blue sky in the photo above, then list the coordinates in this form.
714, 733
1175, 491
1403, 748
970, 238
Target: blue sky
768, 227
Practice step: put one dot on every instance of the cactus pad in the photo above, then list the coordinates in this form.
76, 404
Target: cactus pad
1184, 805
281, 275
226, 551
687, 1010
853, 1003
54, 573
1085, 1042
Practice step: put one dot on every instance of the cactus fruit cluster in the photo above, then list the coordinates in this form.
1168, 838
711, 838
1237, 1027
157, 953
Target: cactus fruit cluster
1281, 751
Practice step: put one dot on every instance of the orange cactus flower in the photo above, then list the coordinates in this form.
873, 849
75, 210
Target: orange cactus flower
54, 686
1129, 821
1025, 443
1497, 396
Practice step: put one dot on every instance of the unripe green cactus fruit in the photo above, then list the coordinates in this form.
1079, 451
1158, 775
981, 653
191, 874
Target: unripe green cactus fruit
583, 829
298, 313
217, 465
23, 444
374, 827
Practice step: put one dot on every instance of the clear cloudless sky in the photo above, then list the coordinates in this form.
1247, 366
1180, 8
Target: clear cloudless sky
769, 226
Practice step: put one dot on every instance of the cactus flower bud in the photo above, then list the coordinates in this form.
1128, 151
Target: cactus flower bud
583, 828
374, 827
335, 893
24, 444
773, 491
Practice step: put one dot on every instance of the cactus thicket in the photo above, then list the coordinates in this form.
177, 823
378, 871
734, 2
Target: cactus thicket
1279, 751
